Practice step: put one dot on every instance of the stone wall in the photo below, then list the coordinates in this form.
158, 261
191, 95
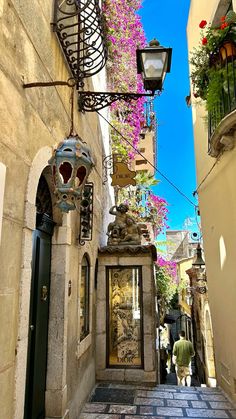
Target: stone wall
32, 122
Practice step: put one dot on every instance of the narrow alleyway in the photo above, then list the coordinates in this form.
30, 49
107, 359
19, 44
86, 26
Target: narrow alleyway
119, 401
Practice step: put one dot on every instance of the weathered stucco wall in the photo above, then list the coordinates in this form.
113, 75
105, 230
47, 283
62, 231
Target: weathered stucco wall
217, 199
33, 120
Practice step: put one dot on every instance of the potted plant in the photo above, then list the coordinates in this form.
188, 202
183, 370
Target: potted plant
207, 61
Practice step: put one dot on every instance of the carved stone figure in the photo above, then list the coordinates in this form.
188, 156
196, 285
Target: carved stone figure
124, 230
131, 233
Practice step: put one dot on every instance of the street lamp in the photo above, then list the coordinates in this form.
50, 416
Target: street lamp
198, 262
199, 266
153, 62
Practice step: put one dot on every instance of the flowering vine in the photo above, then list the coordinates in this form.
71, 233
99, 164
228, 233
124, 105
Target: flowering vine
166, 280
146, 207
125, 34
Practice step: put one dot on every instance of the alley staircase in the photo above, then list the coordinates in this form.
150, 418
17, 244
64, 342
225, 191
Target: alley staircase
124, 401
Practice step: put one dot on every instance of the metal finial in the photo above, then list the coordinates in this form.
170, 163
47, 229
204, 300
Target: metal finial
154, 43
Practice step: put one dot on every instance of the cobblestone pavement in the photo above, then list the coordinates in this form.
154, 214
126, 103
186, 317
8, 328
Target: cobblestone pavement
118, 401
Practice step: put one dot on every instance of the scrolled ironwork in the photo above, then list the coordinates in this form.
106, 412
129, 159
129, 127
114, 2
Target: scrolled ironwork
95, 101
224, 62
80, 29
86, 214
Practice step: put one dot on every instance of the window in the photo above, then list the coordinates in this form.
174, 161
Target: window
84, 298
138, 162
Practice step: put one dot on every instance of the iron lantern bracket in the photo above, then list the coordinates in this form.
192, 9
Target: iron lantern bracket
95, 101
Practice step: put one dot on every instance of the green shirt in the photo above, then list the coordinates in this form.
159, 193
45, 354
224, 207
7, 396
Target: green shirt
183, 350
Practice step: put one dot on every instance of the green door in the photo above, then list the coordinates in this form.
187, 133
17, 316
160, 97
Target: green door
38, 323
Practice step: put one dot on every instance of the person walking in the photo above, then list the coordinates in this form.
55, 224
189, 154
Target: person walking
183, 351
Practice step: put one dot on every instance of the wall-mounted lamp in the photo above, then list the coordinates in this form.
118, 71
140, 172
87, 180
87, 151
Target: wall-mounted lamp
153, 62
80, 29
198, 262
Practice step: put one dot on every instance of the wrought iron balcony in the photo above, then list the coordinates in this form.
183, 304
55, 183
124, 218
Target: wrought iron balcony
221, 118
80, 30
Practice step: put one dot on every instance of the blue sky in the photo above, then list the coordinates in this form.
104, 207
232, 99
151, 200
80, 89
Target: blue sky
166, 20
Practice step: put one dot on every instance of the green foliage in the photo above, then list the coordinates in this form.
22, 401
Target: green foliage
221, 83
199, 74
145, 180
165, 285
202, 58
184, 282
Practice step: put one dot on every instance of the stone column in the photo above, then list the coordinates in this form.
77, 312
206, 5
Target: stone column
56, 386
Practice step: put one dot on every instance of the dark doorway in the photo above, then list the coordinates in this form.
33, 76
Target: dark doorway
39, 310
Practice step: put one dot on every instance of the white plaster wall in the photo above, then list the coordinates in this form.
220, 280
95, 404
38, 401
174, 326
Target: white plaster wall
217, 200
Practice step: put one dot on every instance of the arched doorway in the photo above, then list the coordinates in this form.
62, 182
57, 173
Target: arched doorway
39, 305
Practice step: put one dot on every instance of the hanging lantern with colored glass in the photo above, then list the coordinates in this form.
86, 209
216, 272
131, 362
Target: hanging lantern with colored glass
71, 165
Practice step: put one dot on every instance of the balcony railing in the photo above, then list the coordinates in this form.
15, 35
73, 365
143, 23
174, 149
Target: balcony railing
226, 93
80, 29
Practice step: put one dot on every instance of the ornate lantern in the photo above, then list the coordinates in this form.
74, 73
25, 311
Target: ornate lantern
198, 262
71, 165
153, 63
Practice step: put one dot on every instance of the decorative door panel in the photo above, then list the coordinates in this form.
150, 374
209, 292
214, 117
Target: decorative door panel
124, 317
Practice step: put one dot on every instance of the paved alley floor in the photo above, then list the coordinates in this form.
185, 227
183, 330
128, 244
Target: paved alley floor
119, 401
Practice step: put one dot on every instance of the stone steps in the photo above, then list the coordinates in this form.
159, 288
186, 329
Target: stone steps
126, 401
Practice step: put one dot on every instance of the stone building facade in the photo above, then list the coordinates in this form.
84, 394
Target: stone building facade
32, 122
202, 326
179, 246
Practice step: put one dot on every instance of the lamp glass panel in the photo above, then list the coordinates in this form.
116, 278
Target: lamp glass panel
154, 64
